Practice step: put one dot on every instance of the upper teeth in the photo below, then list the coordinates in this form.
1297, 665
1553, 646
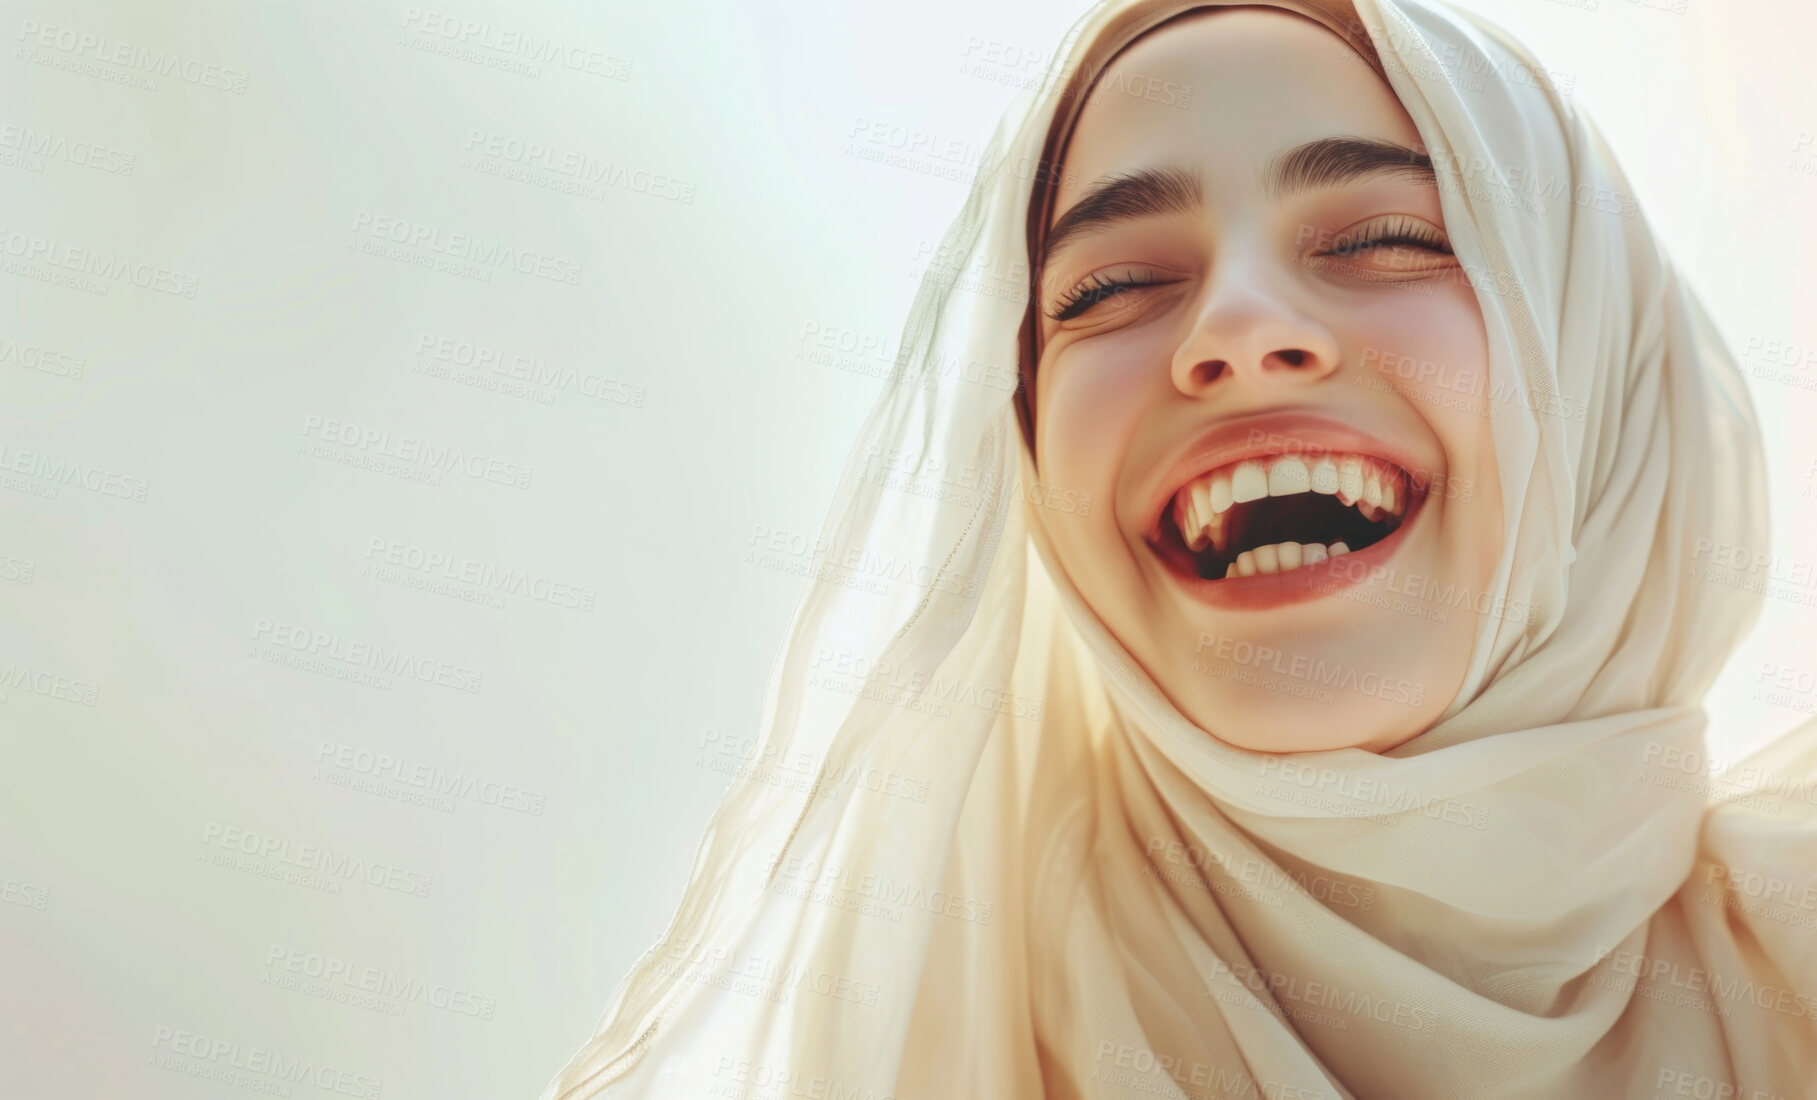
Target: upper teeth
1372, 486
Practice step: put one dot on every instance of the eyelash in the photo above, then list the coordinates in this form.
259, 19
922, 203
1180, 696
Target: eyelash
1402, 231
1096, 288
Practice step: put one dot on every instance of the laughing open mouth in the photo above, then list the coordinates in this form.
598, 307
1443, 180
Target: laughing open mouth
1283, 512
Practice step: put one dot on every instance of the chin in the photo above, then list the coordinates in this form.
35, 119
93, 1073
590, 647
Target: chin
1342, 654
1269, 720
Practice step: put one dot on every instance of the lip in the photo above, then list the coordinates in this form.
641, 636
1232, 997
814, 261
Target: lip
1282, 433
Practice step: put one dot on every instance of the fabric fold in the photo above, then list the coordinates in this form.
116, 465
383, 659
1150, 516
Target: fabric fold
1020, 871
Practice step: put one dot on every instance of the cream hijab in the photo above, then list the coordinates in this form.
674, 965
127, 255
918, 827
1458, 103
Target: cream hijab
977, 853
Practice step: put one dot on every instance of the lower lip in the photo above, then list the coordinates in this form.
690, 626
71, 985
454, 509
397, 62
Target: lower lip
1263, 591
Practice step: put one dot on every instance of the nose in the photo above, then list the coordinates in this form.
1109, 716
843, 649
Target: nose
1249, 333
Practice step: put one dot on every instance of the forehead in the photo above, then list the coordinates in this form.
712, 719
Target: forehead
1240, 86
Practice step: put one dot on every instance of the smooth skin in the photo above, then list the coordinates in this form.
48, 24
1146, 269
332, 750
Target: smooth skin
1264, 303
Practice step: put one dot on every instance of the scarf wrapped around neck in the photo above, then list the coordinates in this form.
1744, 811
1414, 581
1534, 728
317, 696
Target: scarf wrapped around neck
977, 852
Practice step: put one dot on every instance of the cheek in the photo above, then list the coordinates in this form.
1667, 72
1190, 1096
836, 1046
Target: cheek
1090, 400
1432, 350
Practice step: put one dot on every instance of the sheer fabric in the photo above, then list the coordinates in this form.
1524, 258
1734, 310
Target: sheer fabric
1019, 871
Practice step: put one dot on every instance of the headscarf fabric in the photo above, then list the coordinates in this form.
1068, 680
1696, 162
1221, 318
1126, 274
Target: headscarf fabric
976, 851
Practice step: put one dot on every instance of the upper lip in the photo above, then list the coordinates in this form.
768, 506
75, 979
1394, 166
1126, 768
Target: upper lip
1282, 432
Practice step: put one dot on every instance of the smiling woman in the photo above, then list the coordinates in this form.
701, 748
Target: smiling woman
1210, 291
1292, 703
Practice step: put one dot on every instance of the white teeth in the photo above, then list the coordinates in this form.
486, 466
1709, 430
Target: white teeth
1221, 495
1350, 479
1287, 475
1369, 485
1195, 522
1249, 482
1280, 557
1325, 476
1201, 500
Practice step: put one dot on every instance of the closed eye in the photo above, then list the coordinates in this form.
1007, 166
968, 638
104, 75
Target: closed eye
1098, 288
1396, 241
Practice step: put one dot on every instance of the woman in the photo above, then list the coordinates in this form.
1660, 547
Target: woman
1342, 736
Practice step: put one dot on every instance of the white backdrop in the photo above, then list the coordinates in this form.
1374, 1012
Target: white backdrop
410, 421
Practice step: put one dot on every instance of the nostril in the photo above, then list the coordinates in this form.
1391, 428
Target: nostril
1209, 371
1293, 357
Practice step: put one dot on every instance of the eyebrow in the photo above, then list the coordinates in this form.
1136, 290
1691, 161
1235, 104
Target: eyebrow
1327, 162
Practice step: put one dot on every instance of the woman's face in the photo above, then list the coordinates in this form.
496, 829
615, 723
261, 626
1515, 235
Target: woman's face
1263, 355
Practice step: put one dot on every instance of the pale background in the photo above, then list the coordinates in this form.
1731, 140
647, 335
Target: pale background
116, 933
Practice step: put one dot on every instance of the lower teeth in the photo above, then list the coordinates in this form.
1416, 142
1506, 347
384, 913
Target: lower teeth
1279, 557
